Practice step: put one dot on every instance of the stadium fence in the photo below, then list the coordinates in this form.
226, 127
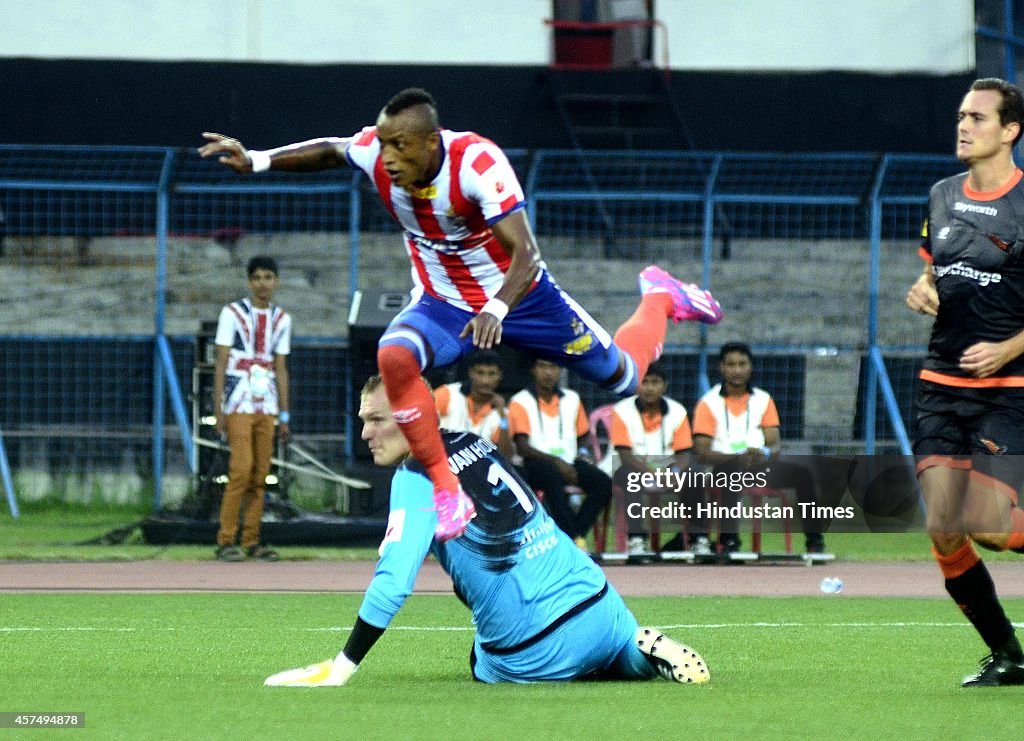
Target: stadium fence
115, 258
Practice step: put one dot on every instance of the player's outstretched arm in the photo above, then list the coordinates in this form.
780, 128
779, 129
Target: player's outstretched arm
308, 156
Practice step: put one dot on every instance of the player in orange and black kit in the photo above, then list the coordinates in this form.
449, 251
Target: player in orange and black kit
970, 400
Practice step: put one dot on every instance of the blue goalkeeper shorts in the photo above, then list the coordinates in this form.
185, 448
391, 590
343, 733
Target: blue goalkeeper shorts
597, 643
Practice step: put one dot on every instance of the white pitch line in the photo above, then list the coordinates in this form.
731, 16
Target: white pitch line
468, 629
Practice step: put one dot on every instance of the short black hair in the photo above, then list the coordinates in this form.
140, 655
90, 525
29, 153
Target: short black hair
657, 368
261, 262
411, 97
483, 357
1011, 107
740, 347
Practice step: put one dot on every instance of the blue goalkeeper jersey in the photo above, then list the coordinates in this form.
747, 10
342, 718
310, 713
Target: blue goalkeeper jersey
514, 568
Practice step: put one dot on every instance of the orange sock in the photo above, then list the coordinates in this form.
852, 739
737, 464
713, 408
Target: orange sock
956, 563
413, 408
1016, 539
642, 336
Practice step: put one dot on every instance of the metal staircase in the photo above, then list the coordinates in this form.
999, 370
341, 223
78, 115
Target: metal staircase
621, 120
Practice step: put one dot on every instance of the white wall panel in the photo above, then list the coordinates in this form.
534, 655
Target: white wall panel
799, 35
804, 35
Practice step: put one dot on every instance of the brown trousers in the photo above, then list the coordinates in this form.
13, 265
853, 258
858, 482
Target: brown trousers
251, 439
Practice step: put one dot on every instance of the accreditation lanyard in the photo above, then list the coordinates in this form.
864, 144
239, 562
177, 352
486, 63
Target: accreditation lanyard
746, 424
662, 429
543, 425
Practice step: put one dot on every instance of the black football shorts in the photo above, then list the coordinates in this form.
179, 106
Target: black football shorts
984, 426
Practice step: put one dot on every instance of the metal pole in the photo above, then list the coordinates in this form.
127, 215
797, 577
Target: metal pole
160, 289
1009, 43
355, 214
703, 383
871, 371
5, 474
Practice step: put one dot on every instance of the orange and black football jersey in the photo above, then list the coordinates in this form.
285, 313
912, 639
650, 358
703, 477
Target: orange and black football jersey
975, 242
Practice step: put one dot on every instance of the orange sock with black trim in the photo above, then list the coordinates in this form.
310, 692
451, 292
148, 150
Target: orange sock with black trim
412, 406
956, 563
642, 336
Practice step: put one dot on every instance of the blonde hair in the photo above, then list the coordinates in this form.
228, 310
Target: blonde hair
375, 381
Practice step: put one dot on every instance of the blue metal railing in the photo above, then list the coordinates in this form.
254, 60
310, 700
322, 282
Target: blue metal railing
856, 192
6, 479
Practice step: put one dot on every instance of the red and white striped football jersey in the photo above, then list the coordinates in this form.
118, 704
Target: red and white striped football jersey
455, 256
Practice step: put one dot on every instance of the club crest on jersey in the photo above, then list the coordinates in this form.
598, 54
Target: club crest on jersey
457, 222
427, 193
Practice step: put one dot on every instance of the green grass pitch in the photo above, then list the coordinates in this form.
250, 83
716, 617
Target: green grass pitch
190, 666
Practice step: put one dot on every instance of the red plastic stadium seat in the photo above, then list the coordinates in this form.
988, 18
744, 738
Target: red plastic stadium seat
603, 416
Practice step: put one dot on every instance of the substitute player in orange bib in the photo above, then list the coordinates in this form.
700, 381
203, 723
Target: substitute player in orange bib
477, 272
970, 398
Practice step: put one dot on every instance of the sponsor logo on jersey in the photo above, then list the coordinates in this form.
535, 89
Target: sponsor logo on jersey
434, 245
396, 524
943, 233
973, 208
540, 539
992, 447
966, 271
1004, 246
580, 346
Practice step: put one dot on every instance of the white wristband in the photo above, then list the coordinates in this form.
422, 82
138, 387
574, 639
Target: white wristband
260, 160
496, 307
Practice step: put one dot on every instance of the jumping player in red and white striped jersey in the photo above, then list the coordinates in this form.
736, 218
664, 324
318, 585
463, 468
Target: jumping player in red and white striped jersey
477, 272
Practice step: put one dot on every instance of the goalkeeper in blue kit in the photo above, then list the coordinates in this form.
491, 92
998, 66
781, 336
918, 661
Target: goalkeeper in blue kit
542, 609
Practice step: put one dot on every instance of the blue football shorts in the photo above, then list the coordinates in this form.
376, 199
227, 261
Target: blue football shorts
547, 324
